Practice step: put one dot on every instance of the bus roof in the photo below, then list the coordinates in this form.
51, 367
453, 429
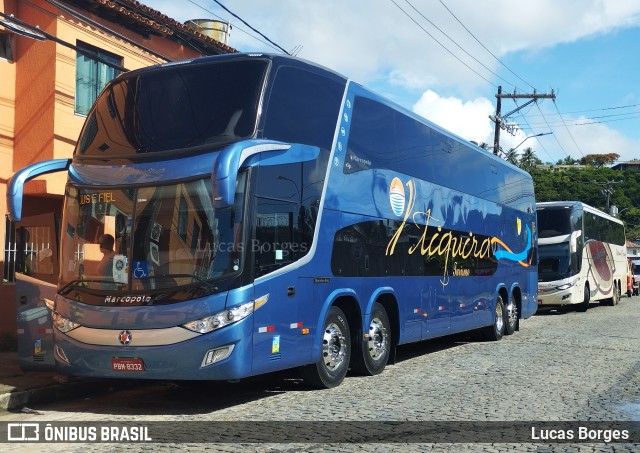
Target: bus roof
577, 204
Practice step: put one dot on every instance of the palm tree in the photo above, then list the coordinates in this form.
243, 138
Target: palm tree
511, 156
529, 160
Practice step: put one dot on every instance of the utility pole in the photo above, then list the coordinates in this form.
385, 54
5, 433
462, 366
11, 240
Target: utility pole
496, 135
499, 120
609, 190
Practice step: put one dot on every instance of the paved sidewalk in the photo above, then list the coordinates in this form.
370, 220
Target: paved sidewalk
21, 388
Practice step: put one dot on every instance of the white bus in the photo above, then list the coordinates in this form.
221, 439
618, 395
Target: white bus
582, 255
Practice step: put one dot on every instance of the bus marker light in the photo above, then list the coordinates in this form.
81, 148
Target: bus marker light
295, 325
305, 331
267, 329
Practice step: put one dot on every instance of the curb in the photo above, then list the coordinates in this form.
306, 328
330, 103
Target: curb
17, 400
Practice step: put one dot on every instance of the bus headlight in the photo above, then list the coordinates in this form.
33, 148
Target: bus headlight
565, 286
220, 319
63, 324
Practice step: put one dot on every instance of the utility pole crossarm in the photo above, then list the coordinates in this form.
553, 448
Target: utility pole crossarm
499, 119
551, 95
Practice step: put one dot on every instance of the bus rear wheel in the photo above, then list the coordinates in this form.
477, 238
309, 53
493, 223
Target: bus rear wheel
512, 318
374, 354
616, 295
495, 331
330, 370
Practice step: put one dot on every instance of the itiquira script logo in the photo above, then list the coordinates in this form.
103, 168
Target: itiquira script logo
455, 250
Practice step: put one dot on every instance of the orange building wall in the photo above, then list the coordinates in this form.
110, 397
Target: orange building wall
37, 100
7, 107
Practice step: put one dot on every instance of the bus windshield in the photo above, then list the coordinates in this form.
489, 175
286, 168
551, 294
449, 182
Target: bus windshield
554, 222
154, 244
554, 262
183, 108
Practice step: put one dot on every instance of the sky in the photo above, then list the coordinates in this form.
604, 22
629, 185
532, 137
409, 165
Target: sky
445, 59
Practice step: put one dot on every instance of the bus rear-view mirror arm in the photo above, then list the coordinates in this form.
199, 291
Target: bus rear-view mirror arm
229, 162
15, 190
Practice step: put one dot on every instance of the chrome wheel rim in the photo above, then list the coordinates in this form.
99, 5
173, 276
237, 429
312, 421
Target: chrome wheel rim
334, 347
512, 314
499, 317
378, 339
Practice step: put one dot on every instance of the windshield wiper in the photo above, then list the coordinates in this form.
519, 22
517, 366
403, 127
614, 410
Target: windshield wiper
199, 283
80, 283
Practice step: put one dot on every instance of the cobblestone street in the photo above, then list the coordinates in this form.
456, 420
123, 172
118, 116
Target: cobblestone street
561, 366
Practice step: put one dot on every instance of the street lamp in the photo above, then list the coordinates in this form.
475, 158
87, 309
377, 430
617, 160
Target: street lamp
615, 212
531, 136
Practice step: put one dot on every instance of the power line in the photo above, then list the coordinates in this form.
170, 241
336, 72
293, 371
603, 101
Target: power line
38, 31
554, 135
596, 119
235, 27
458, 45
254, 29
565, 126
599, 109
442, 45
484, 47
183, 35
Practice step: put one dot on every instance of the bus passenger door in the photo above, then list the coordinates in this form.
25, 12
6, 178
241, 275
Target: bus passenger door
281, 237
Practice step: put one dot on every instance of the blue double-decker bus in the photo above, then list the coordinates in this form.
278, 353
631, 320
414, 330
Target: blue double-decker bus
240, 214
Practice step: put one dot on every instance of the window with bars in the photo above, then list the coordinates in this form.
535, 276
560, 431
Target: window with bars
29, 250
10, 250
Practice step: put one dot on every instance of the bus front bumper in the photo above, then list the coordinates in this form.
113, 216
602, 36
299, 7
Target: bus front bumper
554, 295
219, 355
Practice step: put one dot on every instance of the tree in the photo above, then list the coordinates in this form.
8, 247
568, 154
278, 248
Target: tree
568, 161
599, 160
529, 160
511, 156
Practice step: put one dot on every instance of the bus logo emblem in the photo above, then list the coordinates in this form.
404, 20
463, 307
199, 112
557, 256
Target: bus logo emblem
125, 337
396, 196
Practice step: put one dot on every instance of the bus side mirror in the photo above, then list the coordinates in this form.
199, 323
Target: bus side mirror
225, 169
15, 189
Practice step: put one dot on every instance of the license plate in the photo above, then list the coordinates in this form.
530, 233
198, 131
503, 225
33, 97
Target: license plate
127, 364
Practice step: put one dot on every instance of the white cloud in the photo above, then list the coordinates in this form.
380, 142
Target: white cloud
375, 43
365, 39
470, 119
595, 139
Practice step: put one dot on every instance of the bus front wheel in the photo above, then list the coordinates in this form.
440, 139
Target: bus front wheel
495, 331
584, 306
373, 354
330, 370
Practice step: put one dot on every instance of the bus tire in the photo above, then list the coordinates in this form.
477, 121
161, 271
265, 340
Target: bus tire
511, 317
584, 306
372, 356
616, 295
330, 370
495, 331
